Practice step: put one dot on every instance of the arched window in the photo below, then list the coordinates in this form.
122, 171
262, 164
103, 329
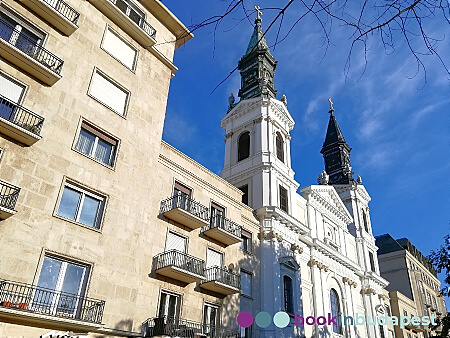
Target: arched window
366, 226
280, 147
244, 146
288, 295
335, 309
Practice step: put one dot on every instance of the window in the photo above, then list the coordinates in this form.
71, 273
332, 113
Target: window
280, 147
366, 226
421, 287
335, 309
96, 144
119, 49
246, 283
405, 313
11, 93
217, 215
63, 277
244, 146
283, 199
246, 332
372, 262
288, 295
169, 305
81, 206
176, 242
130, 10
19, 33
381, 331
244, 189
246, 243
109, 93
181, 195
213, 258
211, 318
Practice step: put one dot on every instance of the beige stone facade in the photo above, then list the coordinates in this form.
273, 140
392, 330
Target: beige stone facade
88, 68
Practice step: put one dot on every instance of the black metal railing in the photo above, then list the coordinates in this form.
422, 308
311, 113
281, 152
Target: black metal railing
20, 116
30, 47
135, 17
177, 327
185, 202
64, 9
180, 260
224, 276
50, 302
221, 222
8, 195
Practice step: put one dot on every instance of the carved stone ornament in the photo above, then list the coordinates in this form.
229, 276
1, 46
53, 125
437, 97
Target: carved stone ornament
323, 178
359, 179
284, 100
272, 235
262, 235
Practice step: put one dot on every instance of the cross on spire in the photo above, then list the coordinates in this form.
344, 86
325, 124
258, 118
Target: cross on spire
258, 12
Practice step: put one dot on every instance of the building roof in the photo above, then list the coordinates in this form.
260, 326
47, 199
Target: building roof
387, 244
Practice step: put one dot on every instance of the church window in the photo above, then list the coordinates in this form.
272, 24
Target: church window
244, 189
280, 147
283, 199
335, 309
372, 262
288, 295
366, 226
244, 146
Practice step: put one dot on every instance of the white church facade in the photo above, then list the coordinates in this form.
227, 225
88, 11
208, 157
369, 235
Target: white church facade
317, 254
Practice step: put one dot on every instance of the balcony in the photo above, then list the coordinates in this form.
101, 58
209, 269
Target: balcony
31, 305
180, 266
28, 55
19, 123
56, 12
184, 210
223, 230
8, 199
127, 18
222, 281
177, 327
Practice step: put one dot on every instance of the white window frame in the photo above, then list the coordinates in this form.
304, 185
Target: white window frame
114, 150
186, 240
84, 192
250, 241
102, 46
113, 82
178, 305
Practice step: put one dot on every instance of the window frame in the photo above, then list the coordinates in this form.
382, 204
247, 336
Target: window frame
251, 282
280, 189
102, 47
337, 305
248, 236
98, 130
115, 83
245, 194
239, 152
73, 185
186, 240
288, 300
279, 146
179, 305
218, 315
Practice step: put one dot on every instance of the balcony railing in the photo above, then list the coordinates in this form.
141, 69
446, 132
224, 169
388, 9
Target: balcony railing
224, 276
180, 260
8, 195
175, 327
136, 18
183, 209
225, 224
17, 39
64, 9
20, 116
49, 302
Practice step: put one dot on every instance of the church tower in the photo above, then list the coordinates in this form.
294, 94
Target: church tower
338, 173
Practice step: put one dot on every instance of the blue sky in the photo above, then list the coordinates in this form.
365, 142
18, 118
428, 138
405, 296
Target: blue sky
398, 126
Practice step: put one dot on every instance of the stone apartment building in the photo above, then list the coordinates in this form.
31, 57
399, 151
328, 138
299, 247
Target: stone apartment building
107, 230
413, 283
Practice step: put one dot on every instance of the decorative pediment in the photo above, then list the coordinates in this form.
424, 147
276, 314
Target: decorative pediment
280, 111
327, 200
241, 109
289, 262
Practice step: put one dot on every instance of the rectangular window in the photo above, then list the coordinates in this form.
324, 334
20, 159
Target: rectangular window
68, 279
119, 49
246, 243
372, 262
176, 242
405, 313
96, 144
217, 215
130, 10
246, 283
81, 206
244, 189
283, 199
109, 93
10, 95
213, 258
246, 332
169, 305
211, 318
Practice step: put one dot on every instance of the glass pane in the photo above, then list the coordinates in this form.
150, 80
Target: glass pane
85, 142
6, 27
103, 152
172, 306
69, 203
48, 278
162, 305
71, 285
6, 109
89, 211
27, 42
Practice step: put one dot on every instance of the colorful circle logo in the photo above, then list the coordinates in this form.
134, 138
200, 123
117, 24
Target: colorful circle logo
263, 319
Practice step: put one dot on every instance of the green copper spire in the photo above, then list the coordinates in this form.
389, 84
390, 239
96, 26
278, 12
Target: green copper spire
257, 66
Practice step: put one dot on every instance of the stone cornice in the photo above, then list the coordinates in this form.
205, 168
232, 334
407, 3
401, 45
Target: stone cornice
289, 221
327, 251
241, 109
